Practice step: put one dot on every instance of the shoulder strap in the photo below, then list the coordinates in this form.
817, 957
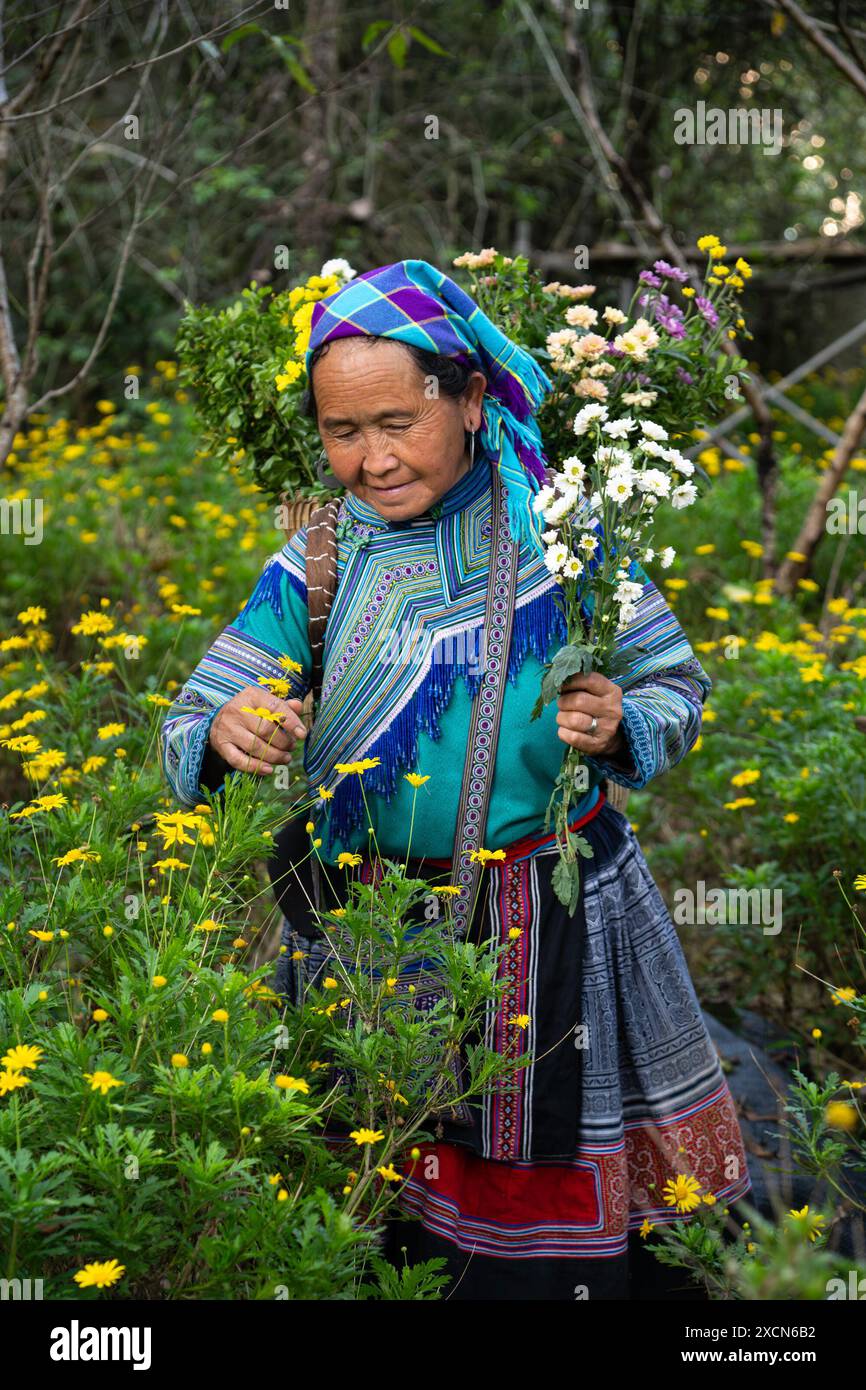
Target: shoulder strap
321, 567
487, 706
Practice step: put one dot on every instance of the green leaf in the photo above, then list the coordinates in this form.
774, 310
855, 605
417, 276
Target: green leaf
299, 73
565, 881
572, 660
398, 46
297, 70
373, 30
427, 42
237, 34
622, 659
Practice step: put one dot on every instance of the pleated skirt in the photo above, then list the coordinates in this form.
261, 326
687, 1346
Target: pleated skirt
541, 1188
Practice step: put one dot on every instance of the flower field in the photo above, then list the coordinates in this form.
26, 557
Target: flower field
167, 1129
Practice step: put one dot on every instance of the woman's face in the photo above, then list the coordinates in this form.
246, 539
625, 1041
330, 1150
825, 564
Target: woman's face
388, 441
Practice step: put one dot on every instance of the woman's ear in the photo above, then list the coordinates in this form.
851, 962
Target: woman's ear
473, 395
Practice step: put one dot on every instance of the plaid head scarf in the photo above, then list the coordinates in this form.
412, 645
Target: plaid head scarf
413, 302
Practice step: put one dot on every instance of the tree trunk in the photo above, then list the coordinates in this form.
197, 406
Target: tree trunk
815, 523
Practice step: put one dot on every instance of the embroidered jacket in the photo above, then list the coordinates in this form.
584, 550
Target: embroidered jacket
403, 658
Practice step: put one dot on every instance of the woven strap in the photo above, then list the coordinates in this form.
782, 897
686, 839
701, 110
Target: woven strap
486, 711
321, 571
321, 567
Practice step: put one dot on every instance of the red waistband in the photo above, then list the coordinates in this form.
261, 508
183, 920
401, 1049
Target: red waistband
518, 848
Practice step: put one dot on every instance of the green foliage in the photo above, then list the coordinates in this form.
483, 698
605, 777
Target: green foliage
232, 357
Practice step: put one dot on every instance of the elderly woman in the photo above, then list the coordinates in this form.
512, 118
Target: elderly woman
427, 414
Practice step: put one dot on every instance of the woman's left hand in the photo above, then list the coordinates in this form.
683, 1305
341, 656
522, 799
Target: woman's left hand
581, 699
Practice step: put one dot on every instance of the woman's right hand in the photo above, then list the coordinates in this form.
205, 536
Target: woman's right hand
251, 743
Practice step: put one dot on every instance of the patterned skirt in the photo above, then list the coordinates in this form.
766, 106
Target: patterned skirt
538, 1191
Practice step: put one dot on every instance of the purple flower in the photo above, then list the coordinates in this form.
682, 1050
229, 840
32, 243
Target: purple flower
671, 271
671, 320
685, 376
668, 316
646, 277
706, 310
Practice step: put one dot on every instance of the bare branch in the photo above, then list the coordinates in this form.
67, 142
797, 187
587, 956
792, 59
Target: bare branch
855, 75
130, 67
815, 524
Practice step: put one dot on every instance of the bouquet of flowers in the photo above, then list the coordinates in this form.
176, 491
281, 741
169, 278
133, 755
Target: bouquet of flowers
245, 363
639, 380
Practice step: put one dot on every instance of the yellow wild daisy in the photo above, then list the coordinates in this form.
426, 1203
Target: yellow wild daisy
486, 856
366, 1136
807, 1222
12, 1081
360, 766
101, 1274
20, 1056
292, 1083
682, 1192
102, 1081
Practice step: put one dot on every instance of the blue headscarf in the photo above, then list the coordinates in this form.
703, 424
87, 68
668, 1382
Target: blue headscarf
413, 302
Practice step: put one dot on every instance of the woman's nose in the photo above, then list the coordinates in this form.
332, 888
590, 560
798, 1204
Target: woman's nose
378, 456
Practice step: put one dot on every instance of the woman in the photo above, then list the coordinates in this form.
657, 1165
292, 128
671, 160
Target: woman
427, 415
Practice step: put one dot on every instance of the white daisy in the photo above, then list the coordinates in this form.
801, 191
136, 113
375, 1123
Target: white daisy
574, 470
585, 417
681, 463
611, 453
618, 429
338, 267
655, 481
683, 496
619, 485
555, 557
627, 591
653, 430
542, 499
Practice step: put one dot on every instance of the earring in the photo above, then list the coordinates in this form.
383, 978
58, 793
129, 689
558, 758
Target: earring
472, 448
328, 480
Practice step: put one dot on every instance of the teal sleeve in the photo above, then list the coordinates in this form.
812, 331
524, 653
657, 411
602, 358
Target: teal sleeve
664, 689
269, 633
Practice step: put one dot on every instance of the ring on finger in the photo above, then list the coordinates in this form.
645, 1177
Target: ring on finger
592, 727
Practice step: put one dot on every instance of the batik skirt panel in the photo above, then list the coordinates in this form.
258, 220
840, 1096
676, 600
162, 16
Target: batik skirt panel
543, 1184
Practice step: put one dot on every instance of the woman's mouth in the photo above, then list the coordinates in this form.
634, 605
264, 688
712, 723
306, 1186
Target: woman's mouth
395, 491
